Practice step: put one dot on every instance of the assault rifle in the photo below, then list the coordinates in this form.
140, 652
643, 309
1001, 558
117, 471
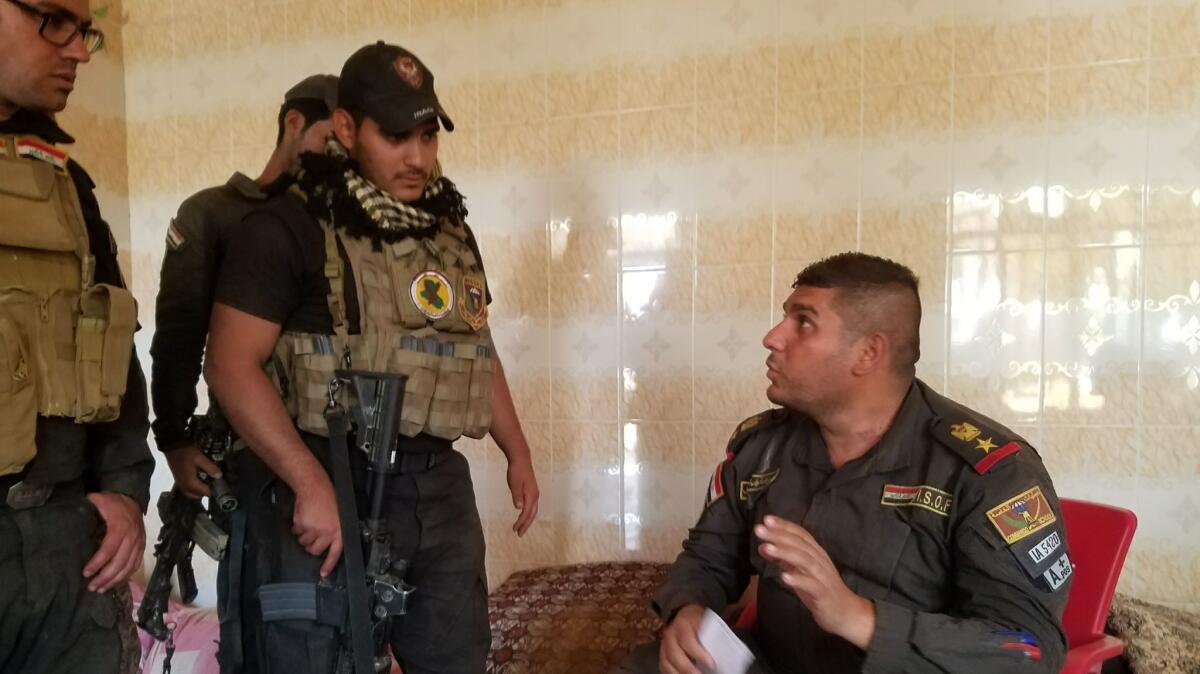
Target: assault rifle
376, 591
185, 525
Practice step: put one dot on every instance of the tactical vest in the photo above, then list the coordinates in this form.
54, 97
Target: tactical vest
422, 313
65, 341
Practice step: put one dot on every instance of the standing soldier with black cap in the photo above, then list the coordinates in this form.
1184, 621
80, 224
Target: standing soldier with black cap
197, 239
366, 264
74, 464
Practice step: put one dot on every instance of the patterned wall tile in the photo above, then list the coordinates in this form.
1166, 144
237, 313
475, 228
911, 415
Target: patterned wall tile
994, 37
1170, 386
996, 334
660, 135
897, 58
1086, 31
806, 236
1174, 28
734, 240
582, 93
1093, 335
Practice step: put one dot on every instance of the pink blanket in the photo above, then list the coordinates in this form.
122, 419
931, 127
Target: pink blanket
196, 633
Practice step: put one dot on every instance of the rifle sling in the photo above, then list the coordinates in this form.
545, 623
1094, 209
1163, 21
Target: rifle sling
231, 612
361, 638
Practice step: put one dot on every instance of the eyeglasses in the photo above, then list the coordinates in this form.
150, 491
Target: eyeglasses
60, 28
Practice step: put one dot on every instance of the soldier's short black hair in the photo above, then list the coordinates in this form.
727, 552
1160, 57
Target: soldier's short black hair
313, 109
874, 294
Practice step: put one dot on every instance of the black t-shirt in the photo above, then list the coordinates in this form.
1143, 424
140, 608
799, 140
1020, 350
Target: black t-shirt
274, 269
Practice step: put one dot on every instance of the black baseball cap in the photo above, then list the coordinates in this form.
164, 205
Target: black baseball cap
316, 87
392, 86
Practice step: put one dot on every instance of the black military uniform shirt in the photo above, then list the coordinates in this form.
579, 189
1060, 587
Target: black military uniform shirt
111, 456
950, 525
197, 240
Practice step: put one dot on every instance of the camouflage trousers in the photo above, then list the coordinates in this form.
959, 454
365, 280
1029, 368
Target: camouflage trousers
49, 622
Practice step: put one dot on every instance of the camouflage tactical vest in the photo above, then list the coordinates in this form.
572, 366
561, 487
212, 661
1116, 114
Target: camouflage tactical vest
65, 341
422, 313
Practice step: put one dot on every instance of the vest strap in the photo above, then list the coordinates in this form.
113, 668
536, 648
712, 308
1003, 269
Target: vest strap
335, 272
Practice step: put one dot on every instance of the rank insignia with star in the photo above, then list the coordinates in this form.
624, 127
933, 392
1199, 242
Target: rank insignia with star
981, 444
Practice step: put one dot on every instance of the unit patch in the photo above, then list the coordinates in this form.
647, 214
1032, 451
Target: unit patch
433, 295
921, 496
756, 483
1022, 515
35, 149
472, 302
175, 238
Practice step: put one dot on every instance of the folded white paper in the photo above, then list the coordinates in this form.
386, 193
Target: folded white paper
728, 652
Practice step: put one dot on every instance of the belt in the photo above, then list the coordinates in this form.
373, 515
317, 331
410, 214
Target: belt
16, 494
419, 462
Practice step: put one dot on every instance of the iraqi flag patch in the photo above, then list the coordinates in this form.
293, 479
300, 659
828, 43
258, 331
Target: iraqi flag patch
175, 238
36, 149
716, 487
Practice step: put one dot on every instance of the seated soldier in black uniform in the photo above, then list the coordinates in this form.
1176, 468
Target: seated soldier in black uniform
893, 530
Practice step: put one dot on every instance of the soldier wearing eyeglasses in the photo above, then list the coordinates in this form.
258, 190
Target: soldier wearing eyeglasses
74, 464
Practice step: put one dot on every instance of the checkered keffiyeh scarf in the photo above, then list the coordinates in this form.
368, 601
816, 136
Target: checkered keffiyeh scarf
336, 192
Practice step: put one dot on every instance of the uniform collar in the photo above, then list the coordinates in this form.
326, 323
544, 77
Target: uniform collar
892, 452
246, 186
31, 123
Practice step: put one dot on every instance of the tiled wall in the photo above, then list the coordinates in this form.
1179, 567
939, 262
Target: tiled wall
646, 177
95, 116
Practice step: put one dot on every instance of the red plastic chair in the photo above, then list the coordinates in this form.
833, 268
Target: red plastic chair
1098, 537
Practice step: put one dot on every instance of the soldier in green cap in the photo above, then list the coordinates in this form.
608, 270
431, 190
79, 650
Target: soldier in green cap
197, 238
196, 242
366, 263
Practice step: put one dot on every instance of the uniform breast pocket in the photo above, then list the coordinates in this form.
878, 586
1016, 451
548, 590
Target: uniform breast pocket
18, 399
879, 559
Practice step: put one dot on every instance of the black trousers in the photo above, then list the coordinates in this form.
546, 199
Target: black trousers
434, 524
49, 622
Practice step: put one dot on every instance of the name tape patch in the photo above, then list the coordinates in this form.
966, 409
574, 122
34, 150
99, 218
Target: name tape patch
756, 483
919, 496
1045, 547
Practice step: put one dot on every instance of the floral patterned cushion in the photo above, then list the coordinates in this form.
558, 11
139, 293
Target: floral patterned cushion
581, 619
